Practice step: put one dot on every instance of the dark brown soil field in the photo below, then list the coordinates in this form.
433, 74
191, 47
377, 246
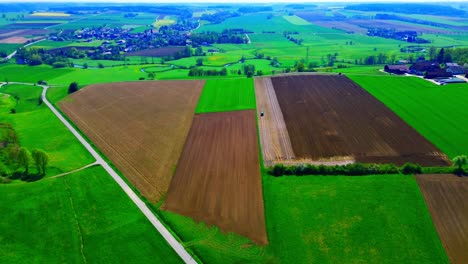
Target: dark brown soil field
446, 197
218, 179
161, 52
141, 127
330, 116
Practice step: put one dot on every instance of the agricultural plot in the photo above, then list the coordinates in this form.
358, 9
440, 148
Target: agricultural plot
330, 117
218, 179
445, 197
141, 127
161, 52
83, 217
227, 95
274, 136
437, 112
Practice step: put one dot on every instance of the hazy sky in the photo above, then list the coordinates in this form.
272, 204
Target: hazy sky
222, 1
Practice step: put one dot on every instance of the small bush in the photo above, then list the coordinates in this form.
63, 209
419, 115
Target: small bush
411, 168
459, 171
277, 170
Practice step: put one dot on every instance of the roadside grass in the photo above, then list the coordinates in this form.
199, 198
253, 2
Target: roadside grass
8, 48
37, 127
437, 112
220, 95
45, 220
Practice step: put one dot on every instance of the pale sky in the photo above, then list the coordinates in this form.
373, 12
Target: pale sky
224, 1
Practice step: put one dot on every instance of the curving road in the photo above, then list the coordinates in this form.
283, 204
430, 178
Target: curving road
178, 248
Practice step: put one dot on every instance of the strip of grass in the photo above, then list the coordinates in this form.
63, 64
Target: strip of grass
227, 95
32, 74
37, 127
44, 221
437, 112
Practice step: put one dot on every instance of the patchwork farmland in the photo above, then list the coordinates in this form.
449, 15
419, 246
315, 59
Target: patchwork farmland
218, 179
445, 197
140, 127
329, 117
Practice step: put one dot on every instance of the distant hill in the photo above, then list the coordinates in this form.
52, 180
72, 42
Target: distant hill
426, 9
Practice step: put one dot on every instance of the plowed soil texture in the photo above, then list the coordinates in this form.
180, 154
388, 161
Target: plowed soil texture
446, 197
218, 179
330, 116
141, 127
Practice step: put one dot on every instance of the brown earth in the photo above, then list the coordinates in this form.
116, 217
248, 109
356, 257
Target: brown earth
274, 137
8, 33
141, 127
330, 116
446, 197
218, 179
161, 52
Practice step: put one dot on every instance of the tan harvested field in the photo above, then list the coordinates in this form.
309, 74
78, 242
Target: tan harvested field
141, 126
446, 197
274, 137
14, 40
218, 179
330, 116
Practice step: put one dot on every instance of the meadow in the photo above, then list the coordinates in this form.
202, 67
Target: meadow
322, 219
83, 217
20, 73
37, 127
437, 112
220, 95
8, 48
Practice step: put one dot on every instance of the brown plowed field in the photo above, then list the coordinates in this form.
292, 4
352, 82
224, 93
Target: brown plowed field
330, 116
14, 40
446, 197
274, 137
141, 127
218, 179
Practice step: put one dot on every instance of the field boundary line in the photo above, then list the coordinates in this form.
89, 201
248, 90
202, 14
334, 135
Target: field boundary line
171, 240
73, 171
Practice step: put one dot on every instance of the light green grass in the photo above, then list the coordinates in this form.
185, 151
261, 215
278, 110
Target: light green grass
439, 113
8, 48
295, 20
37, 127
227, 95
23, 73
43, 221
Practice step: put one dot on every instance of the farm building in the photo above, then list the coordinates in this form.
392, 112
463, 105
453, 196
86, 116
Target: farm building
454, 68
437, 73
396, 69
420, 67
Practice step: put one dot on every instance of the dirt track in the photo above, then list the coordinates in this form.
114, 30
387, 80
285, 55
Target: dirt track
446, 197
141, 127
218, 179
274, 137
330, 116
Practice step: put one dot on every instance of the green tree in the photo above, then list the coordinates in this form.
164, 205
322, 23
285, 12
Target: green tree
432, 53
199, 62
460, 161
151, 75
24, 157
73, 87
41, 159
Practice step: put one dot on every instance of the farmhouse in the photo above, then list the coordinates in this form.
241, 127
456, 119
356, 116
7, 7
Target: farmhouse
420, 67
396, 69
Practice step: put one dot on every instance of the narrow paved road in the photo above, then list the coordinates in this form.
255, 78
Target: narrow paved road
178, 248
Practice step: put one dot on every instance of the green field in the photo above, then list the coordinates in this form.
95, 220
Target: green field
328, 219
32, 74
227, 95
48, 221
37, 127
8, 48
437, 112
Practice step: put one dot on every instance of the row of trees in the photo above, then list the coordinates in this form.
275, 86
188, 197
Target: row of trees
35, 57
194, 71
216, 37
443, 55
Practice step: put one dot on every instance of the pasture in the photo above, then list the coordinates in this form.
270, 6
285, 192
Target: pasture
445, 195
328, 118
437, 112
141, 127
37, 127
83, 217
221, 95
218, 178
21, 73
